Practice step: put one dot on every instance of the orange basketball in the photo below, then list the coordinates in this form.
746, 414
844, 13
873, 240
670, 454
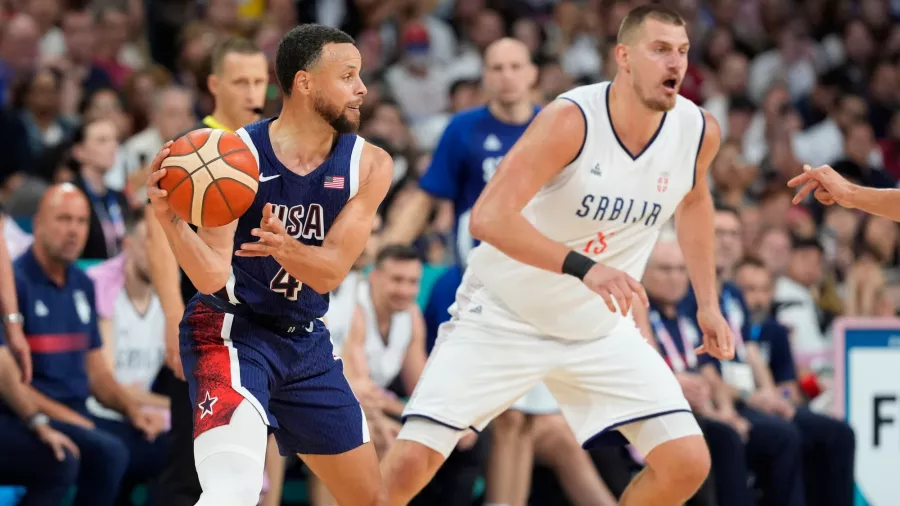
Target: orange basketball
211, 177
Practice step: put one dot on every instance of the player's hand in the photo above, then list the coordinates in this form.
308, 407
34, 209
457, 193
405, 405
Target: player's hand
159, 201
611, 284
18, 345
718, 340
271, 236
57, 441
826, 185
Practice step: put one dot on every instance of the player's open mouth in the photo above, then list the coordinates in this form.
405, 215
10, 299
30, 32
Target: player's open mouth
670, 84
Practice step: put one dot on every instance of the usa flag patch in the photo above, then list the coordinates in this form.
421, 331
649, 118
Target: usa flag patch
335, 182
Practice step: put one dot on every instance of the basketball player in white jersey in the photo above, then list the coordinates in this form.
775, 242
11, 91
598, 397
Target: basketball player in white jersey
568, 223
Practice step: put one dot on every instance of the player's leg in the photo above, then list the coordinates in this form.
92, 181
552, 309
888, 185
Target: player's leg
228, 380
322, 422
556, 447
474, 373
508, 474
621, 383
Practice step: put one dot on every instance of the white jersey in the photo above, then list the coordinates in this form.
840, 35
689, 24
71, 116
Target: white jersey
140, 348
385, 359
606, 204
340, 309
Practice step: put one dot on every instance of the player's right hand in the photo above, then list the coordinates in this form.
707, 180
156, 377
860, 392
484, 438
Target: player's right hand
158, 197
612, 284
826, 185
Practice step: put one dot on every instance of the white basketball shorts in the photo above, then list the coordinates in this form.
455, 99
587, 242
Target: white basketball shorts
478, 369
538, 401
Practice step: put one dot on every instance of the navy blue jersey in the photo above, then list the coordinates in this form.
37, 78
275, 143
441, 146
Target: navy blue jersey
307, 205
61, 328
466, 157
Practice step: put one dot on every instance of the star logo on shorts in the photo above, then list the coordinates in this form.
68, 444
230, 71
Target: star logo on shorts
206, 407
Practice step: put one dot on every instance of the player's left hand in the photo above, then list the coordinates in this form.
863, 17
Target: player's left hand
718, 339
271, 236
826, 185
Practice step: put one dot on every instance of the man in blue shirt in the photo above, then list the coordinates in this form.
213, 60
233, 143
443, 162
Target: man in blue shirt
52, 464
828, 443
57, 300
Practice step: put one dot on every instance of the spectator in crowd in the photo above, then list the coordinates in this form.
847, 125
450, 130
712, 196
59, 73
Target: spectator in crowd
69, 364
384, 351
94, 148
828, 444
666, 282
33, 453
132, 327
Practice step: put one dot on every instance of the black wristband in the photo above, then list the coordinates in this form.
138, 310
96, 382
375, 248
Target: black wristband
577, 265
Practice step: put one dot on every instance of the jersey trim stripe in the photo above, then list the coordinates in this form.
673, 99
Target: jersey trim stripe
583, 139
235, 364
612, 127
699, 145
242, 133
355, 157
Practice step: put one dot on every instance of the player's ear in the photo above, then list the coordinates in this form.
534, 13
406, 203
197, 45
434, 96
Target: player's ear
303, 82
622, 57
212, 83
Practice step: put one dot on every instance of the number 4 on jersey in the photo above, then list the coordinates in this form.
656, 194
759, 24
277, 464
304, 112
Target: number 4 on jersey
285, 284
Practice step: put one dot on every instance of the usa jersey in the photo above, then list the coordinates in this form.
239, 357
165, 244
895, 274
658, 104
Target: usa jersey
307, 205
466, 157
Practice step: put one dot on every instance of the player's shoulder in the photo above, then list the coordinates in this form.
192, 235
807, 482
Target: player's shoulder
375, 164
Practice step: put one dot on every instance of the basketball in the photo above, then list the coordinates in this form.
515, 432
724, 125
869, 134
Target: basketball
211, 177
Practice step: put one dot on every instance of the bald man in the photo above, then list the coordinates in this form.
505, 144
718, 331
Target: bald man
60, 324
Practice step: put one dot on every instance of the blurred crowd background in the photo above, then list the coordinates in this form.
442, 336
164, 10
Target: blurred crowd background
91, 90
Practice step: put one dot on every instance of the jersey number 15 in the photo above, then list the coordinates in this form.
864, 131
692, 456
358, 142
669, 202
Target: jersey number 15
286, 285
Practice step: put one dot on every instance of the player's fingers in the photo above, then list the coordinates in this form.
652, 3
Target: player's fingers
804, 191
800, 179
627, 295
156, 193
638, 289
607, 298
160, 157
824, 196
700, 350
617, 294
155, 176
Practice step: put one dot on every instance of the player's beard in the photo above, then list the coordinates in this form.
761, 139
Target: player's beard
659, 104
335, 116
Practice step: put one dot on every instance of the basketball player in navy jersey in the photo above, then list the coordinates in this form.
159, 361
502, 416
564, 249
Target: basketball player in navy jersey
254, 349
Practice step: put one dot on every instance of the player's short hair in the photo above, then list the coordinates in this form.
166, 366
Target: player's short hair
401, 252
133, 218
228, 46
635, 19
301, 48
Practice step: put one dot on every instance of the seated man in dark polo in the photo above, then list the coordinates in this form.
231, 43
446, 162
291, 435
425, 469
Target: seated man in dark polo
828, 444
33, 454
666, 282
60, 324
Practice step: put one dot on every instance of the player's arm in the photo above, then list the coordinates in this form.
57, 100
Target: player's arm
694, 222
549, 143
322, 268
205, 255
829, 187
414, 363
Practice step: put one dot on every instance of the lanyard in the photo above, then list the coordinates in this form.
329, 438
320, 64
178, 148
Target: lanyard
668, 343
112, 221
732, 308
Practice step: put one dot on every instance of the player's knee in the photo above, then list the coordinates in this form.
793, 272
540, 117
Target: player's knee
230, 479
511, 424
682, 463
